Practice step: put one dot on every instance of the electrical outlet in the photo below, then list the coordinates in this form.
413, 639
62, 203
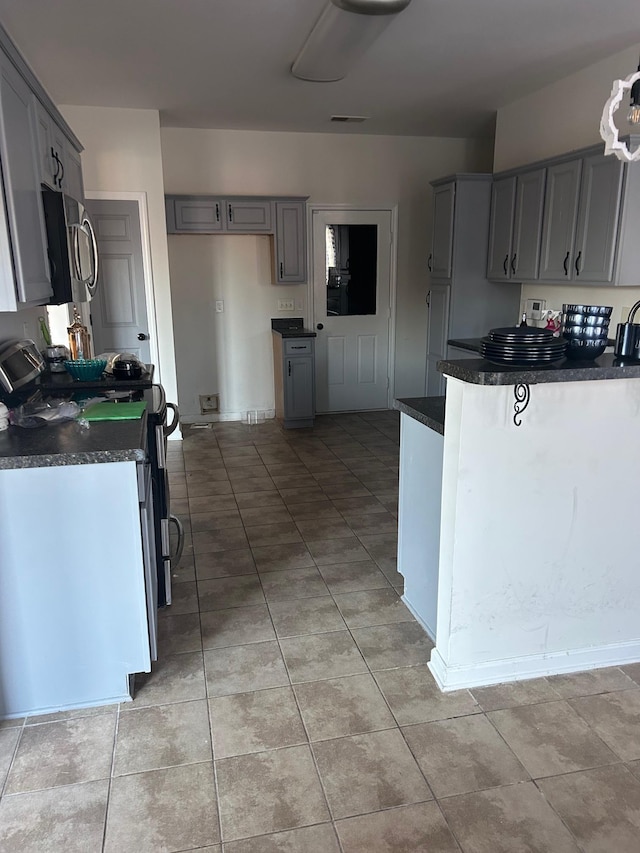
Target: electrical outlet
209, 403
219, 306
285, 305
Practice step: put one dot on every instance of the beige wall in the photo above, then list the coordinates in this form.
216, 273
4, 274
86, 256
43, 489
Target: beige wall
122, 154
559, 118
332, 169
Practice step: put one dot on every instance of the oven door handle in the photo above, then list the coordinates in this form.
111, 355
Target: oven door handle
169, 428
175, 558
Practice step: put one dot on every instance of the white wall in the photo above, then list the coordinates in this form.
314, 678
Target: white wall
122, 154
332, 169
225, 353
560, 118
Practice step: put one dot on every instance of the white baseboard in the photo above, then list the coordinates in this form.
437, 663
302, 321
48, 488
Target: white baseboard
219, 417
430, 631
532, 666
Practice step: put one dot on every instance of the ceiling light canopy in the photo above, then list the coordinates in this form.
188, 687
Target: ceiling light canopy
345, 30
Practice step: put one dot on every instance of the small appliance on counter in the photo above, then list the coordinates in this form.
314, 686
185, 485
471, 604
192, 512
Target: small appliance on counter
20, 363
628, 337
55, 357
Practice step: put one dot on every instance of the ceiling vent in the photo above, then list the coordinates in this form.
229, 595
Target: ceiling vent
352, 119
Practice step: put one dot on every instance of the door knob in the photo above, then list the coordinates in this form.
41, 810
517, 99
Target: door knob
142, 336
320, 326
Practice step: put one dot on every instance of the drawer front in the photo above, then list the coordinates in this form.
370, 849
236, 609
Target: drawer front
298, 346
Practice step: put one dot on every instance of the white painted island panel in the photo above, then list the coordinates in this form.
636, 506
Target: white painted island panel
421, 451
73, 606
539, 573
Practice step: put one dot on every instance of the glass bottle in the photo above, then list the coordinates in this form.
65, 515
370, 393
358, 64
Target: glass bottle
79, 339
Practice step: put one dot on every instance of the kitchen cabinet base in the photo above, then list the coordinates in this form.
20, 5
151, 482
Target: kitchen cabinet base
73, 604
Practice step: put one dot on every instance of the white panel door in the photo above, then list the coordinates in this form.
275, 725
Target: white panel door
351, 307
119, 308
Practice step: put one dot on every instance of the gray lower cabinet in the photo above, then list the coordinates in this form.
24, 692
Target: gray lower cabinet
26, 281
285, 218
294, 373
291, 243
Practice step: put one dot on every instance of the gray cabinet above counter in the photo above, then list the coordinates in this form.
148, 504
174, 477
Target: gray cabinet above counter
571, 219
283, 217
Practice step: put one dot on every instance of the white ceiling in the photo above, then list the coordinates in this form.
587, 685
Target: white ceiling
442, 68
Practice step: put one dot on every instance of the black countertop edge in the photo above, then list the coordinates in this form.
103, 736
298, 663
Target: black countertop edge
427, 410
291, 327
295, 333
471, 344
479, 371
69, 443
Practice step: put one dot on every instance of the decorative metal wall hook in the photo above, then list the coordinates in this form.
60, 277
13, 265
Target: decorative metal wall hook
522, 393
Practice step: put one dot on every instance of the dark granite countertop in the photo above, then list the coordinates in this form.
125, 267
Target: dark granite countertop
291, 328
68, 443
53, 382
427, 410
479, 371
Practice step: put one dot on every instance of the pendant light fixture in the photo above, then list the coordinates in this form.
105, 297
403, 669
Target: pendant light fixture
345, 30
608, 129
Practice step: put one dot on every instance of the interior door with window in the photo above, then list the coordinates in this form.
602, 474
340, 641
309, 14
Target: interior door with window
351, 306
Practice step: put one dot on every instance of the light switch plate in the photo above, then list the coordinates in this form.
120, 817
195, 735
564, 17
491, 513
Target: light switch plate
285, 305
535, 308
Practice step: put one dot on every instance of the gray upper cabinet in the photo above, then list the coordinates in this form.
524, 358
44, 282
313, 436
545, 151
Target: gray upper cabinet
560, 219
201, 215
291, 249
527, 225
598, 217
283, 217
72, 184
248, 216
27, 281
466, 304
503, 203
60, 165
440, 260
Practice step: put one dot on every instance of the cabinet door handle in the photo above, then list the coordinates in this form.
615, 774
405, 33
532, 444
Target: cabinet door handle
429, 264
565, 263
578, 262
289, 369
505, 265
281, 269
61, 178
428, 299
54, 157
230, 214
513, 265
217, 212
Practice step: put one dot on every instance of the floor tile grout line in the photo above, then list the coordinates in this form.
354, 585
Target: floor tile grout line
21, 728
111, 777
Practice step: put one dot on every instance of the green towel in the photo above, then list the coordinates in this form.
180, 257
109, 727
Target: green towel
110, 411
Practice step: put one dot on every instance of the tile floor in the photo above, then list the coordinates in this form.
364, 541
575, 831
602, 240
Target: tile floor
292, 710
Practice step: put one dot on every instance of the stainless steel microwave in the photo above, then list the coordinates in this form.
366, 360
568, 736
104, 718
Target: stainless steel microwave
72, 248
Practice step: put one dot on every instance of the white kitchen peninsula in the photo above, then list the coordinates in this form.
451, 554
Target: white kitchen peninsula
517, 519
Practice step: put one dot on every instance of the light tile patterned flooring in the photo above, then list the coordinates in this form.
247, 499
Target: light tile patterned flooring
291, 710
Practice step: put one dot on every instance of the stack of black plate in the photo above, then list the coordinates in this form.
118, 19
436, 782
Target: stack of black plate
522, 345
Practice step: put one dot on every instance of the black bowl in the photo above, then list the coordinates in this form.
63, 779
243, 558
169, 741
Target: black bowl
586, 333
126, 370
585, 349
600, 310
